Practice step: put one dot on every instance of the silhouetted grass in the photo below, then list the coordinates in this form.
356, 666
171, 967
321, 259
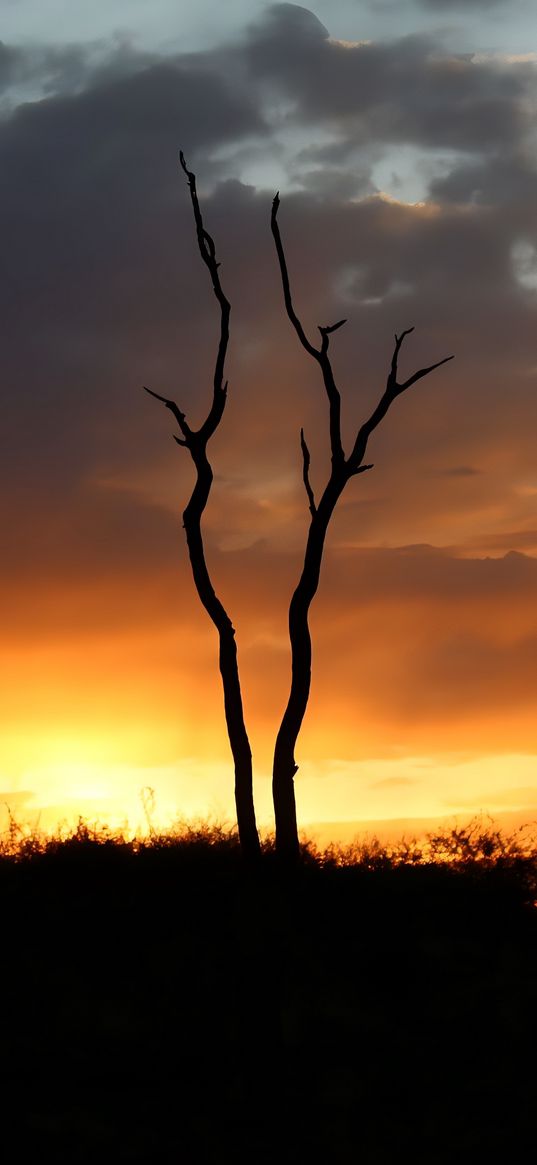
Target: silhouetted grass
161, 1003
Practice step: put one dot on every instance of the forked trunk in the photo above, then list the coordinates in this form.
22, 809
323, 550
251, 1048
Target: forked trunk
285, 766
343, 468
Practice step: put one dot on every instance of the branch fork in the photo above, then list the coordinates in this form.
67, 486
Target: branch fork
393, 385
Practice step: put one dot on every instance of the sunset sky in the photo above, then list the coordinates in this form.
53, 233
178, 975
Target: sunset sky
403, 140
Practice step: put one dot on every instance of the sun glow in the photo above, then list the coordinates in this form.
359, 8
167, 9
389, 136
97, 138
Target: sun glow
75, 779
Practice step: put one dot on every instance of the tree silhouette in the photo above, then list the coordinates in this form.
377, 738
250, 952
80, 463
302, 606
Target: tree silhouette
343, 468
196, 441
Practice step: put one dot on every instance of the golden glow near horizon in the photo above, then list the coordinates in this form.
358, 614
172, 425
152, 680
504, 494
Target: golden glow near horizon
422, 701
342, 792
88, 737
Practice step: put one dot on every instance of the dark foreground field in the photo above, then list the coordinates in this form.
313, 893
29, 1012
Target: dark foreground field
161, 1004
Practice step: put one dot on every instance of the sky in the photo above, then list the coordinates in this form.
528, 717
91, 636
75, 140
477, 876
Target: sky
402, 139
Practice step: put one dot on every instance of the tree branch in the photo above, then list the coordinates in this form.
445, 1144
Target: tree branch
318, 354
285, 281
187, 432
392, 378
306, 474
361, 469
207, 251
393, 389
331, 328
423, 372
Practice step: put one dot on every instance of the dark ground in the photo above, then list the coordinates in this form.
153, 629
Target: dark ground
166, 1006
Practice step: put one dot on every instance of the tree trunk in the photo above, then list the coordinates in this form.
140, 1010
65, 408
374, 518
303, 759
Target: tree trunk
238, 737
240, 745
285, 766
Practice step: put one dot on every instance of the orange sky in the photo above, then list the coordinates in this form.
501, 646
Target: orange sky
425, 626
423, 698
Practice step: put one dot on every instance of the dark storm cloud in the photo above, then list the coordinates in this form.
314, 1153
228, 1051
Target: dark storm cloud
93, 257
448, 267
29, 72
406, 90
91, 193
102, 289
332, 182
509, 178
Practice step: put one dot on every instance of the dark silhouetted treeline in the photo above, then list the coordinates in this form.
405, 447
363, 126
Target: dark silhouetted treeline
160, 1003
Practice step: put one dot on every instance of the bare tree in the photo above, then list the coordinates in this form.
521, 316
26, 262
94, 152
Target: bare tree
196, 441
342, 469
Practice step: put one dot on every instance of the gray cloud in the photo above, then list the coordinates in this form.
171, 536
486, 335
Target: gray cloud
460, 5
9, 58
31, 71
509, 179
409, 90
457, 7
92, 261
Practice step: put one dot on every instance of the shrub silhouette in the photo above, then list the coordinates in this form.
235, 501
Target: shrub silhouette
163, 1003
